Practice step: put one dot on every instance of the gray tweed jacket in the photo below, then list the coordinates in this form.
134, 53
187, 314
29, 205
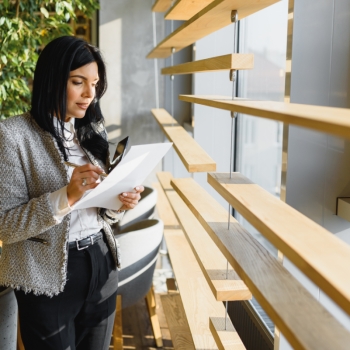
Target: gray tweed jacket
31, 167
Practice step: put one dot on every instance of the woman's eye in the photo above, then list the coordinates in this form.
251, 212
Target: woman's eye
77, 82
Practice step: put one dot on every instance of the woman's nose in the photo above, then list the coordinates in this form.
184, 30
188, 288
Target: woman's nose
89, 92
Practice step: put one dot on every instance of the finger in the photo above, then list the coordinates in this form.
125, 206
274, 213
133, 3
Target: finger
86, 175
131, 195
88, 167
86, 181
129, 206
129, 201
89, 173
139, 189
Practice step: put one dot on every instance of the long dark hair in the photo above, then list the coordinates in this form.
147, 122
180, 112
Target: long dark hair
49, 97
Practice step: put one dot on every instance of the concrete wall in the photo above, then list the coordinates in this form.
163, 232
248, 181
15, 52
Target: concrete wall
125, 38
318, 164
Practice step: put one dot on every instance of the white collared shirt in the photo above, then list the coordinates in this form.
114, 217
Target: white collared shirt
83, 222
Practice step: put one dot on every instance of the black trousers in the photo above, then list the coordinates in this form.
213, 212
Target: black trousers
79, 318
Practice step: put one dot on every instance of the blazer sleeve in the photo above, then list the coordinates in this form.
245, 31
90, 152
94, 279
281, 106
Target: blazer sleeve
20, 217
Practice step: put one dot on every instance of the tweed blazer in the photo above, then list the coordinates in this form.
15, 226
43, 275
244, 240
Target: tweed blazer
31, 167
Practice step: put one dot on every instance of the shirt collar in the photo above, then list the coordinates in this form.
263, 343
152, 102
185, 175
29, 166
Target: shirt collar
68, 126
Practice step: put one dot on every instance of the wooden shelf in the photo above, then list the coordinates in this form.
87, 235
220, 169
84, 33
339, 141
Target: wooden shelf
194, 158
315, 251
210, 259
177, 321
233, 61
183, 10
215, 16
161, 5
299, 316
198, 301
325, 119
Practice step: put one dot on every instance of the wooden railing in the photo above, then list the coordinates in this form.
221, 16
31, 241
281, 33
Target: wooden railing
161, 5
196, 226
215, 16
226, 62
185, 9
194, 158
325, 119
193, 287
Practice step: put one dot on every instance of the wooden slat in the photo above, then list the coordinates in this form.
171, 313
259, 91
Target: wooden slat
164, 178
325, 119
161, 5
225, 336
215, 16
198, 301
211, 261
343, 208
319, 254
164, 209
117, 335
183, 10
177, 322
236, 61
194, 158
305, 322
171, 285
151, 307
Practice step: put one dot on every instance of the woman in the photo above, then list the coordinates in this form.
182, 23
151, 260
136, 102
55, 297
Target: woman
61, 262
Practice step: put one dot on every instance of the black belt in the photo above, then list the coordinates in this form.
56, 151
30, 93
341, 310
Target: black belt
85, 242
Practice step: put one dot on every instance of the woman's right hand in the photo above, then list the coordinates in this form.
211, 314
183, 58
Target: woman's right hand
84, 178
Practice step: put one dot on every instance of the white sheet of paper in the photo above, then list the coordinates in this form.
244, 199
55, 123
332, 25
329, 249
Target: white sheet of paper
129, 173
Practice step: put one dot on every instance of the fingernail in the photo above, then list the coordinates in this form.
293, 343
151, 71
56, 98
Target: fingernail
137, 188
125, 194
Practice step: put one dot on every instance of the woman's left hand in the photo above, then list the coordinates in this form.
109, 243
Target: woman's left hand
130, 199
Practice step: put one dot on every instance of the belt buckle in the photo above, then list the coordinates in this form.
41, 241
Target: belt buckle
77, 243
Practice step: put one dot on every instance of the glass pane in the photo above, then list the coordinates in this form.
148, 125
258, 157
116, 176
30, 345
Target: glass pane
263, 34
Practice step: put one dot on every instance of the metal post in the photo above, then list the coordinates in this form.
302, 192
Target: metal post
234, 19
155, 60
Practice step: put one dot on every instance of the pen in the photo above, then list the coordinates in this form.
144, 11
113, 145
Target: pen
73, 165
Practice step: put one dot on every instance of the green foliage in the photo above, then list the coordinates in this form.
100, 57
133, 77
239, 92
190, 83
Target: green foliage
25, 27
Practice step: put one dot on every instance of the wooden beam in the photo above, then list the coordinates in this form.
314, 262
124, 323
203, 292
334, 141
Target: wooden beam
177, 322
236, 61
211, 261
225, 337
117, 335
183, 10
325, 119
164, 178
151, 307
161, 5
215, 16
171, 285
315, 251
198, 301
301, 318
194, 158
343, 208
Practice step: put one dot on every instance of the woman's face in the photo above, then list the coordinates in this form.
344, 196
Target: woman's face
81, 88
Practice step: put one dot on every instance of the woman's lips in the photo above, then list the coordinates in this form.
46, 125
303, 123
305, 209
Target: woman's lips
83, 105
